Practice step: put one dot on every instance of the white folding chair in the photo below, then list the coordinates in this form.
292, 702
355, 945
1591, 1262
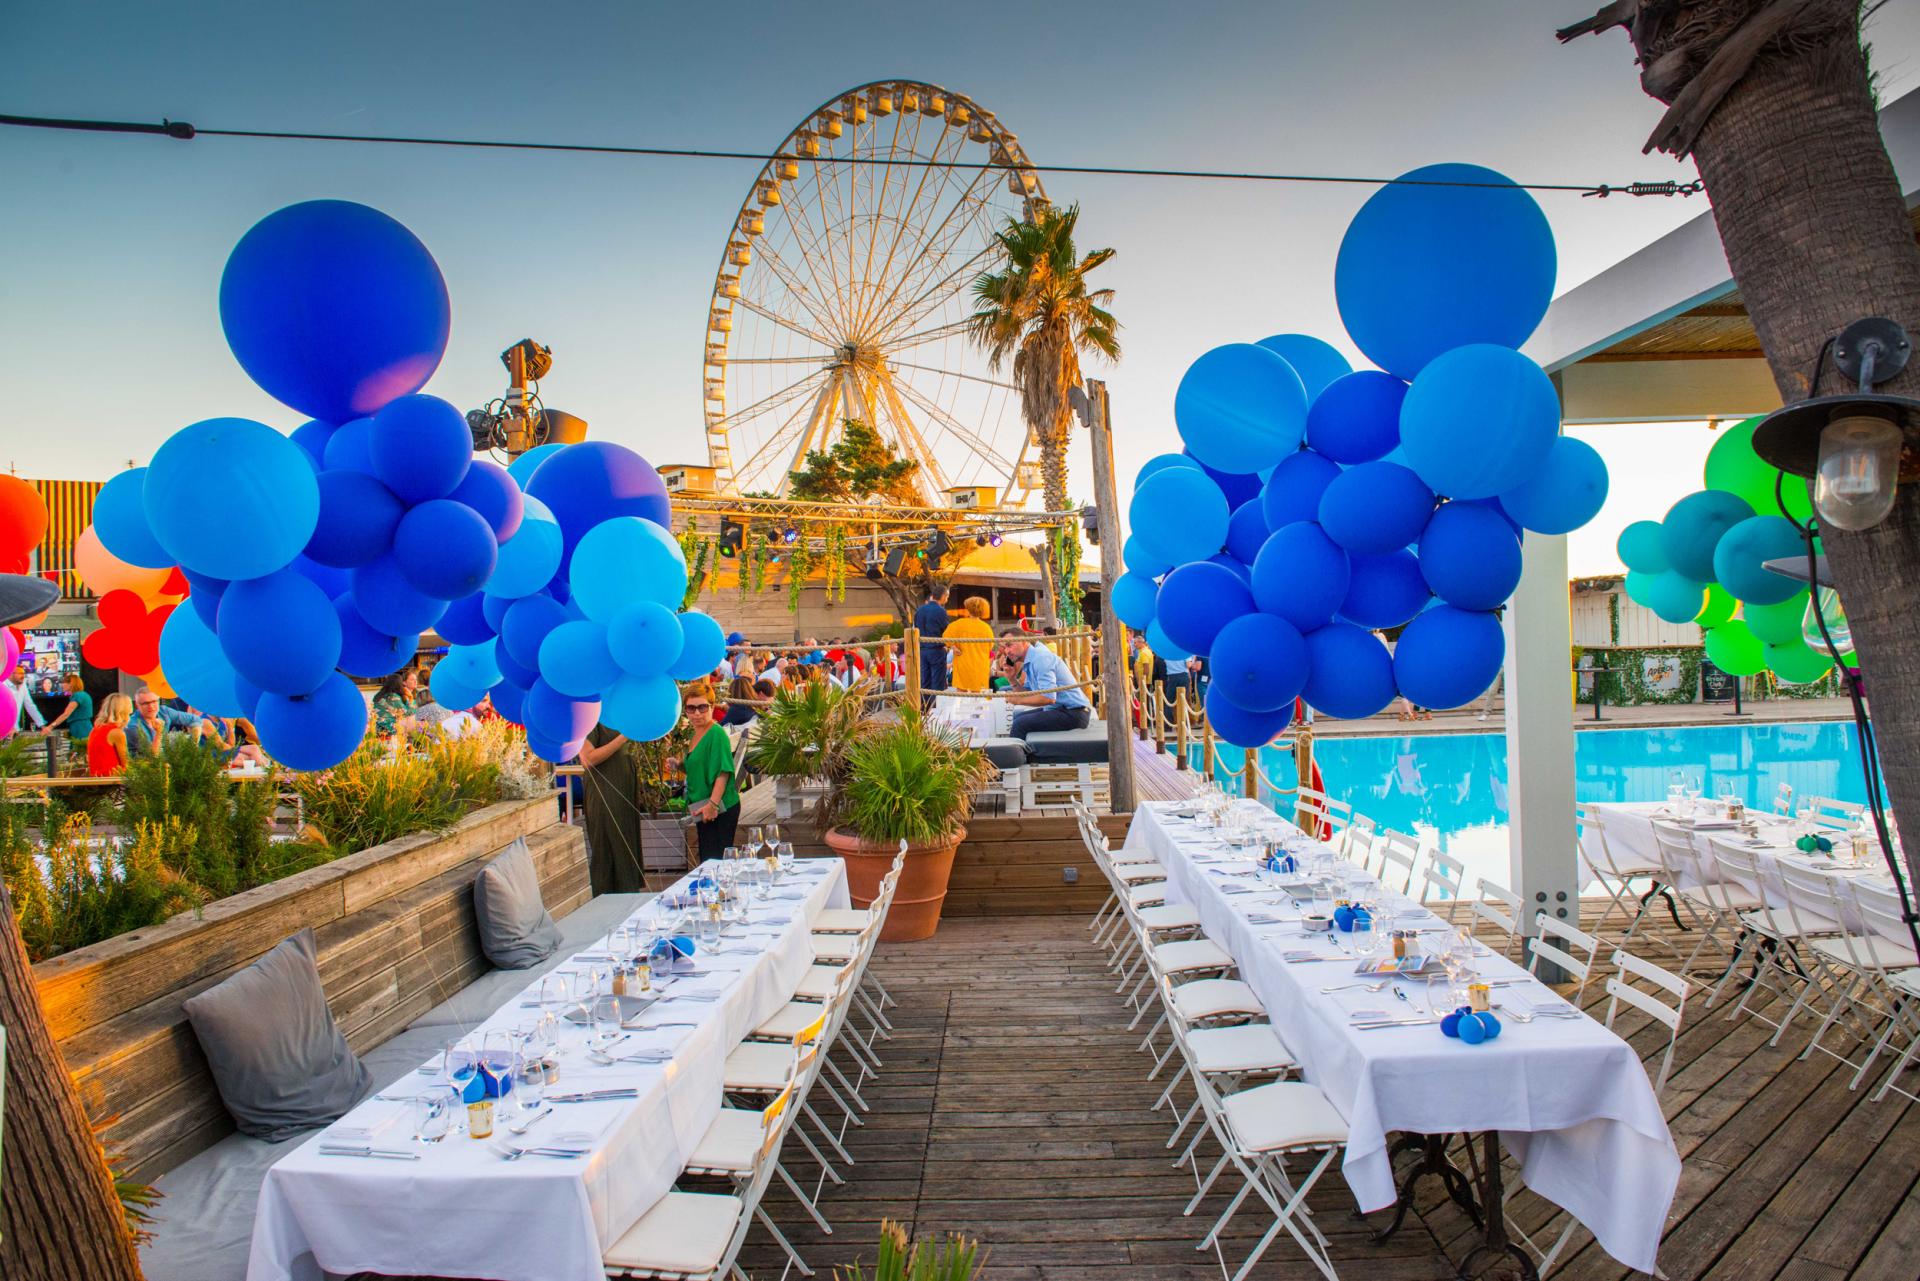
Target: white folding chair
1442, 880
1885, 921
1359, 835
1620, 988
1714, 904
1835, 815
1571, 949
1228, 1053
1860, 963
1614, 874
1398, 854
1783, 800
1769, 938
1499, 907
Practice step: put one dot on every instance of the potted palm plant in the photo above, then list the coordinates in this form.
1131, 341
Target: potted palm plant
799, 737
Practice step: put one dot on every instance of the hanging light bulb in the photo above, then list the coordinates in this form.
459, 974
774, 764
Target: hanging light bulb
1859, 466
1828, 602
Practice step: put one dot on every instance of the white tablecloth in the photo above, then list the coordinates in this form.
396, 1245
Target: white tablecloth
1570, 1099
462, 1211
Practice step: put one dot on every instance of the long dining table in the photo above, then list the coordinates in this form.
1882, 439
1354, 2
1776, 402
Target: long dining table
458, 1208
1568, 1098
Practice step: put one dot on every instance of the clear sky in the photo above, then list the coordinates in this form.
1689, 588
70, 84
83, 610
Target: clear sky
114, 245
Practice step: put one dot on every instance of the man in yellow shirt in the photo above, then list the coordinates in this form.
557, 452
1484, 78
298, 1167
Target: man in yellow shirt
971, 663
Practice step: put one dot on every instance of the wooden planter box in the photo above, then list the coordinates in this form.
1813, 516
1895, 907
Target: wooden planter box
396, 936
793, 797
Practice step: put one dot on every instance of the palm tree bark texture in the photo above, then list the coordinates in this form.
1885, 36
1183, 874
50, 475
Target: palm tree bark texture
1773, 100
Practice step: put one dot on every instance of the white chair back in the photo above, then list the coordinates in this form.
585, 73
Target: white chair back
1443, 878
1620, 988
1497, 906
1835, 815
1739, 867
1783, 800
1398, 854
1592, 837
1882, 913
1679, 864
1571, 949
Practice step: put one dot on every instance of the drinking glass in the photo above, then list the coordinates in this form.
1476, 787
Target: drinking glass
499, 1062
773, 833
553, 992
606, 1019
756, 837
460, 1062
431, 1112
786, 856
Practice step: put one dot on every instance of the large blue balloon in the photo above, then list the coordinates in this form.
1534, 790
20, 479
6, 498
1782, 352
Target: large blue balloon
422, 448
1301, 575
1384, 591
1232, 724
1566, 493
1317, 362
334, 308
490, 490
1349, 672
1241, 570
1139, 561
1240, 408
1426, 268
1294, 490
1479, 421
523, 467
231, 498
646, 638
204, 596
280, 633
315, 732
703, 645
525, 626
575, 660
643, 708
120, 522
1160, 462
586, 484
313, 436
1198, 600
1236, 487
465, 622
555, 716
1670, 594
1375, 508
367, 653
350, 447
473, 666
1133, 599
1640, 548
1447, 657
1247, 532
199, 672
1161, 644
1693, 529
529, 560
358, 516
390, 603
623, 560
1259, 662
510, 700
445, 549
1179, 515
450, 691
1739, 559
1469, 556
1357, 418
333, 582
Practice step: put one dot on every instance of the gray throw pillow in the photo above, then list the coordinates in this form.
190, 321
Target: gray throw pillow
277, 1056
515, 930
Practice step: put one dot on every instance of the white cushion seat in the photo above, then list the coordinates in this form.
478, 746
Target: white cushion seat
1118, 857
818, 982
729, 1145
1244, 1047
1212, 998
758, 1067
1191, 954
1151, 894
788, 1020
684, 1232
1889, 954
1780, 923
1170, 916
1135, 873
1286, 1114
1732, 896
841, 920
835, 948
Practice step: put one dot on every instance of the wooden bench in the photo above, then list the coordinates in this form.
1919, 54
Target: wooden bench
396, 936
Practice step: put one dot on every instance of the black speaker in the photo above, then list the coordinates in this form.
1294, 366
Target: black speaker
896, 557
873, 570
731, 533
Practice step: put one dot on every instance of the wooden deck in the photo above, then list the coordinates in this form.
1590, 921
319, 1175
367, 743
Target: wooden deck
1013, 1108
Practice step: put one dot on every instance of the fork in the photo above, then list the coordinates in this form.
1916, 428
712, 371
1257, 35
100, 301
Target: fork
508, 1152
1371, 987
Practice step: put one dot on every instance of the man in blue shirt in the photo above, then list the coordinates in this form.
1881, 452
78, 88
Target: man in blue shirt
1047, 690
931, 618
151, 722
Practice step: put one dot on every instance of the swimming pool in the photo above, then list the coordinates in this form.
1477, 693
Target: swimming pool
1451, 789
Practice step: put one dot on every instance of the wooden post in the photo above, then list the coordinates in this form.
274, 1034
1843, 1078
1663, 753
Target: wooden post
1303, 773
1206, 745
1141, 683
1159, 720
911, 643
1180, 727
1249, 781
1106, 506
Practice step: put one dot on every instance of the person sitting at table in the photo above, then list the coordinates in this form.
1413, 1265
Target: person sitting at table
151, 722
1048, 694
107, 743
712, 797
393, 703
972, 661
76, 718
229, 741
740, 702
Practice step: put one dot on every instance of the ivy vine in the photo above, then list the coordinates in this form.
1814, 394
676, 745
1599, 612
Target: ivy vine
697, 550
799, 567
1066, 560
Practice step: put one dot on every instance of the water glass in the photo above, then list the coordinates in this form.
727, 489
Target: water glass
606, 1019
431, 1112
530, 1081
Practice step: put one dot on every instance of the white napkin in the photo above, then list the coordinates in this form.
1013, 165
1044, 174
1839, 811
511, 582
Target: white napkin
367, 1120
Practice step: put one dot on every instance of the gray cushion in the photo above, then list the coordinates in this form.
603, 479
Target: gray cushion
515, 930
1005, 753
1068, 746
277, 1057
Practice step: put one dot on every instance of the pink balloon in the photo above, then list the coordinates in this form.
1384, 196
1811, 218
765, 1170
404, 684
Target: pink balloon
9, 651
9, 709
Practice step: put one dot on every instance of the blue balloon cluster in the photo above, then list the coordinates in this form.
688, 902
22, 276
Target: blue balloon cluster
1314, 504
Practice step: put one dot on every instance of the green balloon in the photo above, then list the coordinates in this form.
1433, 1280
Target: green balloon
1778, 624
1719, 607
1735, 650
1797, 663
1734, 467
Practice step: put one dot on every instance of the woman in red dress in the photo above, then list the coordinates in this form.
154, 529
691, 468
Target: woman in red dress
107, 742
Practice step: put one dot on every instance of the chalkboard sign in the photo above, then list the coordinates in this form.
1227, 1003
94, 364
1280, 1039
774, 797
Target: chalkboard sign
1716, 686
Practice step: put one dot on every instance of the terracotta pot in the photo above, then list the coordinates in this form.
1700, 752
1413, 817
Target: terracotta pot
923, 882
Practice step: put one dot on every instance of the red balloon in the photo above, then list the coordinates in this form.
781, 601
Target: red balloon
129, 635
23, 518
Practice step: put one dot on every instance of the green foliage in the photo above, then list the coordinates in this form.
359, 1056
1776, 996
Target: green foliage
698, 551
372, 798
1066, 558
910, 780
953, 1258
91, 888
222, 825
805, 730
1627, 682
858, 466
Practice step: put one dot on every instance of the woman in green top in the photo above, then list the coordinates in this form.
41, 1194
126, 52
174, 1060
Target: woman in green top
393, 705
711, 795
77, 716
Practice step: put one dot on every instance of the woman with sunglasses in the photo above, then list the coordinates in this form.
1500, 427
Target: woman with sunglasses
711, 796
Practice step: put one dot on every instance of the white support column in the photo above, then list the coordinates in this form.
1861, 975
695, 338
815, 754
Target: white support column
1539, 703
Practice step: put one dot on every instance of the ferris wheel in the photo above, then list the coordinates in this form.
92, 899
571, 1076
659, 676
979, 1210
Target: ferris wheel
844, 292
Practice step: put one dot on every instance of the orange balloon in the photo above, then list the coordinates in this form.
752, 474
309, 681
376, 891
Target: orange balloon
23, 517
156, 680
104, 572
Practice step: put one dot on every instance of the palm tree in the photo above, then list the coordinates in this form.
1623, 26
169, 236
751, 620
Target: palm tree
1038, 310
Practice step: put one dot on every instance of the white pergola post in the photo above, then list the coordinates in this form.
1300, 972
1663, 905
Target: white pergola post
1539, 702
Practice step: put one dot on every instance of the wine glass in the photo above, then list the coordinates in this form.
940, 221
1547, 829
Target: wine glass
499, 1062
460, 1063
773, 833
756, 837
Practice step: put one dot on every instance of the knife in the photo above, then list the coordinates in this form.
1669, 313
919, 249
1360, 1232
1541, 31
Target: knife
384, 1154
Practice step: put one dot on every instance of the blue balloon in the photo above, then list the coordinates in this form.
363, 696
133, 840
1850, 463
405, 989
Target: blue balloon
1357, 418
1232, 724
510, 700
1179, 515
644, 708
332, 582
646, 638
523, 467
1317, 362
1139, 561
1506, 517
1693, 529
1639, 548
555, 716
1385, 590
350, 447
1237, 488
390, 603
623, 560
1162, 645
451, 692
313, 436
1447, 657
1424, 269
528, 561
1301, 575
358, 517
231, 498
1196, 601
1259, 663
465, 622
1375, 508
280, 633
1670, 594
204, 595
367, 653
493, 610
1479, 421
317, 731
513, 671
1566, 493
585, 484
1133, 599
475, 666
1349, 672
120, 522
1247, 532
422, 448
199, 672
702, 647
1739, 559
524, 627
575, 660
1294, 490
548, 749
445, 549
490, 490
1240, 408
1469, 556
1160, 462
1241, 570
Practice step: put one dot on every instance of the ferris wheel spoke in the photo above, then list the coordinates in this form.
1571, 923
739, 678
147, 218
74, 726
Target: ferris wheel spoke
784, 322
879, 205
930, 298
770, 401
952, 373
980, 448
755, 465
816, 308
951, 329
903, 219
799, 222
776, 360
912, 439
940, 242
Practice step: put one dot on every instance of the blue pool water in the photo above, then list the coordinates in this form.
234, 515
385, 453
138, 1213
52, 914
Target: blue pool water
1452, 788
